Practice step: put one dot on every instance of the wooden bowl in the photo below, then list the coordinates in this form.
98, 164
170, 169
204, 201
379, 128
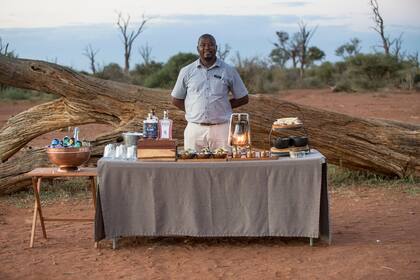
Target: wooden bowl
220, 155
203, 156
187, 156
68, 159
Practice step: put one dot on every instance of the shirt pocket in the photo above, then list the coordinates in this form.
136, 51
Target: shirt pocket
220, 86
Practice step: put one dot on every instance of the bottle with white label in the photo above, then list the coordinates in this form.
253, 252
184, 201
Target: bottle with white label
150, 127
165, 127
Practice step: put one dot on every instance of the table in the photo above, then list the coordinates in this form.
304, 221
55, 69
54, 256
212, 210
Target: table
285, 197
37, 175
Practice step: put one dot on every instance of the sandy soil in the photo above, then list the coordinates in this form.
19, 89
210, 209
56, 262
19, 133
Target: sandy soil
375, 230
375, 236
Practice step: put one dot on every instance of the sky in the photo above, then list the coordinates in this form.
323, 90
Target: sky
58, 31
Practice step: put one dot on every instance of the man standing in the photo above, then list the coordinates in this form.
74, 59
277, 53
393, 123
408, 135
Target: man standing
202, 92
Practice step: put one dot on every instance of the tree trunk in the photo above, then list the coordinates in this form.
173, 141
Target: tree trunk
384, 147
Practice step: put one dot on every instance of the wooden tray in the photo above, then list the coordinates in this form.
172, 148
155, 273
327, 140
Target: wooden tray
253, 159
157, 159
203, 160
287, 150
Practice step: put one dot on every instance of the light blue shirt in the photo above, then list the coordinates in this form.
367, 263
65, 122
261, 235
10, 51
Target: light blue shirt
206, 91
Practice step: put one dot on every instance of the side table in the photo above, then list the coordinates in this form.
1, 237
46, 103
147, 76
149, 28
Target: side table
52, 172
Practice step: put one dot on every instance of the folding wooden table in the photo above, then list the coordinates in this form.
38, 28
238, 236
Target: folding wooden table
52, 172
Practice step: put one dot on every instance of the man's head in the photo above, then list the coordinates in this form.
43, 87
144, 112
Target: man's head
207, 48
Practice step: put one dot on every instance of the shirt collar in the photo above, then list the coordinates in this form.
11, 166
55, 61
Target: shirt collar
216, 64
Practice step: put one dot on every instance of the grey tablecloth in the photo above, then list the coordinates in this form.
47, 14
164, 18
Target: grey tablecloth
286, 197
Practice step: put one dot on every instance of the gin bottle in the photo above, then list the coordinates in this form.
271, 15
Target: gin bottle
165, 127
150, 127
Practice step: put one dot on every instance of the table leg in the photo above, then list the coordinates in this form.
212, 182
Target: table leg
36, 185
114, 243
93, 189
311, 241
38, 200
31, 243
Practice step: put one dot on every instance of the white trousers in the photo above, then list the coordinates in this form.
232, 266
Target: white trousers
200, 136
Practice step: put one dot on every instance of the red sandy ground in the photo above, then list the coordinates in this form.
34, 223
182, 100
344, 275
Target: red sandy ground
375, 230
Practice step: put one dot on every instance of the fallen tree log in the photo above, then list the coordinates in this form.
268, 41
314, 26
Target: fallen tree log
384, 147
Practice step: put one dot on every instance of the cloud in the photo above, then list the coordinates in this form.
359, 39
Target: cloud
290, 3
354, 14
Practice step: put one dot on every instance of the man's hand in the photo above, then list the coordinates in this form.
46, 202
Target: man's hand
238, 102
179, 103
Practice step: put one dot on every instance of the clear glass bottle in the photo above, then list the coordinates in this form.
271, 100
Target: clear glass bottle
76, 134
165, 127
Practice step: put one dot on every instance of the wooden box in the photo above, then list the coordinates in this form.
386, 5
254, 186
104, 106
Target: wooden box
157, 149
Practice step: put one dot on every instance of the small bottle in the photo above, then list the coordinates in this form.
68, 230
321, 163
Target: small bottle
165, 127
76, 134
66, 141
150, 127
154, 115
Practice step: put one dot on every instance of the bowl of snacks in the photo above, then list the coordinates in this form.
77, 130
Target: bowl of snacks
220, 153
204, 153
188, 154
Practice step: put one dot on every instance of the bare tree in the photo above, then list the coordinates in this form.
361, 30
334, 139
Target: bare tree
4, 49
414, 59
396, 51
146, 53
128, 37
380, 29
301, 40
285, 50
282, 53
223, 53
237, 60
90, 53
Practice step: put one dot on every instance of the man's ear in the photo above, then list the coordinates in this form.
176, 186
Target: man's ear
198, 49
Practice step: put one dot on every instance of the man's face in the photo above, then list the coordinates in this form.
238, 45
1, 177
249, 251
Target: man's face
207, 49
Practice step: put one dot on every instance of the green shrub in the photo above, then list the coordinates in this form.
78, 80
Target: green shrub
373, 71
342, 177
142, 71
113, 72
11, 93
343, 85
326, 73
168, 74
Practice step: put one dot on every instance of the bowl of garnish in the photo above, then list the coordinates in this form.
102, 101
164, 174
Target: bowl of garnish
220, 153
188, 154
204, 153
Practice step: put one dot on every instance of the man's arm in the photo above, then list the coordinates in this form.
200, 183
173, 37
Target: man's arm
237, 102
179, 103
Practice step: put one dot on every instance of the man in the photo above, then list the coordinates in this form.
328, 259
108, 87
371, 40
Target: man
202, 92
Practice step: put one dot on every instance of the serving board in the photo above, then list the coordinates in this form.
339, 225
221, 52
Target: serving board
245, 159
203, 160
